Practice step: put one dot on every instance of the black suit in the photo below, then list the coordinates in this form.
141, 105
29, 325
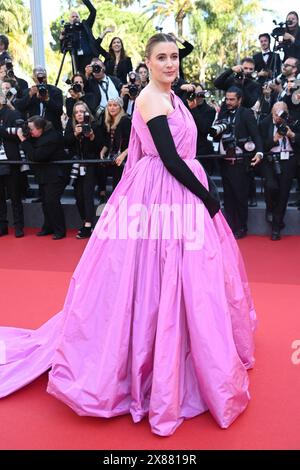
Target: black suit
292, 49
123, 67
277, 186
236, 174
93, 87
92, 44
250, 88
52, 178
273, 64
13, 180
204, 116
53, 109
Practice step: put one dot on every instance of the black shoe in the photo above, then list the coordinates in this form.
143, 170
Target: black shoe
269, 217
242, 233
3, 231
58, 236
84, 232
43, 233
19, 232
275, 235
252, 202
36, 200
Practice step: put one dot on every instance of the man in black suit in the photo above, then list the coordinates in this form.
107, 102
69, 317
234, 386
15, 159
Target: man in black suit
101, 85
267, 63
7, 71
204, 115
282, 141
42, 100
78, 39
241, 135
10, 179
240, 76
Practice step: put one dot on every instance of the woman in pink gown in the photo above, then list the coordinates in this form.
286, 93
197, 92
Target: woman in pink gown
158, 320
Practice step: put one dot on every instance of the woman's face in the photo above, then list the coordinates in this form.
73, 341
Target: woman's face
113, 109
34, 131
163, 62
143, 73
79, 80
116, 45
293, 20
79, 113
5, 87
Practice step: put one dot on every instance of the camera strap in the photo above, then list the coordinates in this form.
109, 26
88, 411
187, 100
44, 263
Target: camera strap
104, 87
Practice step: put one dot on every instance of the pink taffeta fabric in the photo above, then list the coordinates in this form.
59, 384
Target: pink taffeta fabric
150, 326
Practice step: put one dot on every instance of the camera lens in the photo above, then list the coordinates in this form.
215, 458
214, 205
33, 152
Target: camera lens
96, 68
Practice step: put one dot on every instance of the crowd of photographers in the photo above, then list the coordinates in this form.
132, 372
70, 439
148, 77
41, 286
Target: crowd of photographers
255, 130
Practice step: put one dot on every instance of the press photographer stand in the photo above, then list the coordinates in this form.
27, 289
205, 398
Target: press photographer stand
73, 61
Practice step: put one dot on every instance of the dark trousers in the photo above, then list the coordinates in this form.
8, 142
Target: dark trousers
10, 185
236, 182
277, 189
54, 218
84, 188
111, 170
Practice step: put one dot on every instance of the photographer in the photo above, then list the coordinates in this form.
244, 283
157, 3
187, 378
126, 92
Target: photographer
9, 92
4, 43
238, 134
267, 63
103, 87
10, 175
204, 116
281, 140
291, 38
130, 91
143, 72
77, 92
42, 100
77, 38
7, 71
241, 76
44, 144
84, 140
116, 61
116, 141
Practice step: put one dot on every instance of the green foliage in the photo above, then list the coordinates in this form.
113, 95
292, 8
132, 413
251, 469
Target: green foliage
15, 23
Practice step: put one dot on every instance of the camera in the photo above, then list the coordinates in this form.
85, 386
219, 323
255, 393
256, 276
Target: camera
132, 86
76, 87
192, 95
96, 68
282, 128
69, 40
11, 93
224, 129
219, 127
9, 69
86, 126
74, 173
42, 87
20, 124
279, 32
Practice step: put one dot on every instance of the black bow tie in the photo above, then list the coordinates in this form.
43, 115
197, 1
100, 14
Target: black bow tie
266, 53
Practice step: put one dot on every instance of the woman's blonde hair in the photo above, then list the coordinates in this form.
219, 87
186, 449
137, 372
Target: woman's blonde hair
109, 122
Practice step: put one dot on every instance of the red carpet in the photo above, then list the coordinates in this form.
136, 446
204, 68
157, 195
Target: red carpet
34, 275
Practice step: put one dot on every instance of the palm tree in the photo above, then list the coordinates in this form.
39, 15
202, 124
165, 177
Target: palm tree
177, 8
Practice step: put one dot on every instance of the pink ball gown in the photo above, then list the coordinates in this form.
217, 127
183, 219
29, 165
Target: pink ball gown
154, 324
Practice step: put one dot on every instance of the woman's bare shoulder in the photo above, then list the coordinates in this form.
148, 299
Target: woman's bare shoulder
151, 104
